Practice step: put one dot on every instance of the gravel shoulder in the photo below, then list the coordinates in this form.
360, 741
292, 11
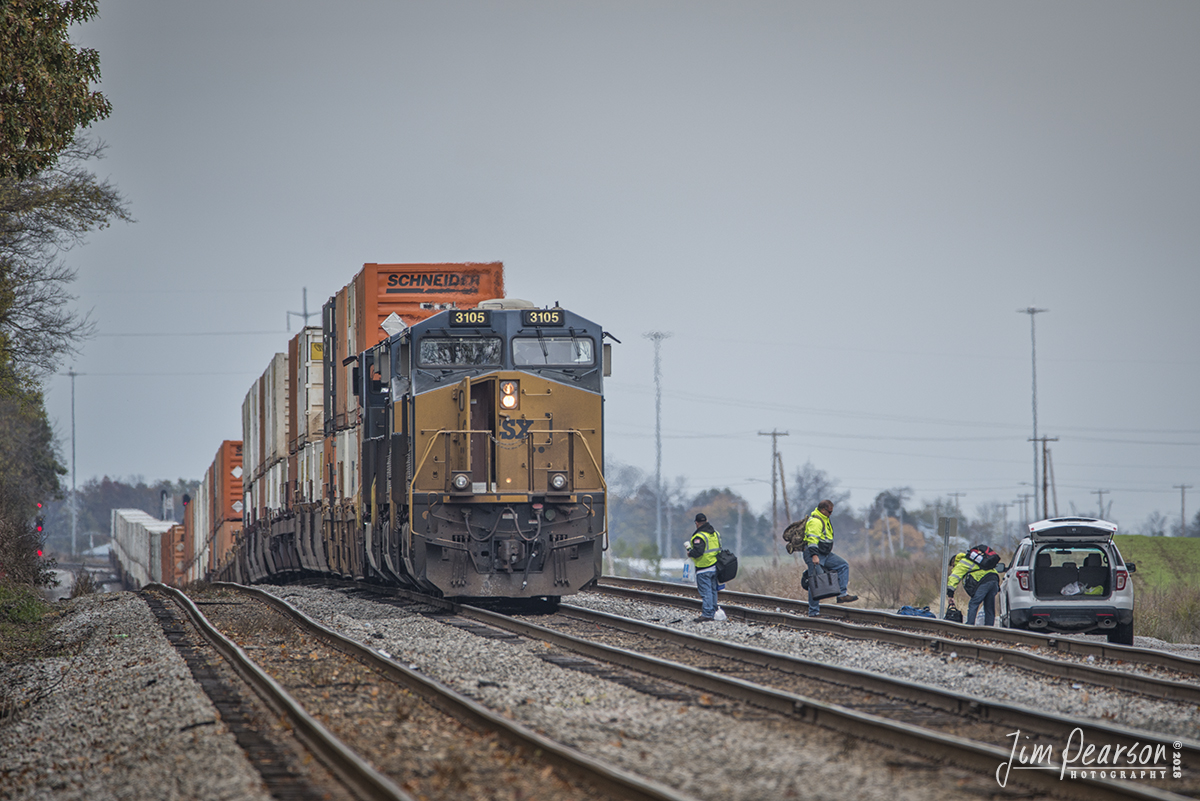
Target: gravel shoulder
120, 717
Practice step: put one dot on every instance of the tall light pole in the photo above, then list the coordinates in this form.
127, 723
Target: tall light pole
657, 337
1032, 312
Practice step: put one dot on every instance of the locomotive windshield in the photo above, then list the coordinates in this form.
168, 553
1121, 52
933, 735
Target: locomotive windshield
460, 351
556, 350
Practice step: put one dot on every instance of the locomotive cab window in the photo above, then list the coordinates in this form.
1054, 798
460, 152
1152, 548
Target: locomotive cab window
553, 350
459, 351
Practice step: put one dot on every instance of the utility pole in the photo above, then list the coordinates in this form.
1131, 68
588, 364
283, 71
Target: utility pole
1005, 506
774, 435
74, 500
1101, 494
1045, 477
956, 496
1183, 488
302, 314
787, 509
657, 337
1023, 499
1032, 312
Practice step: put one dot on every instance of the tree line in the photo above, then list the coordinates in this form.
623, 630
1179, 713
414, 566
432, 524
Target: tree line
49, 202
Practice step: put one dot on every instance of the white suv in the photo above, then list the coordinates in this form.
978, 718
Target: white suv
1068, 576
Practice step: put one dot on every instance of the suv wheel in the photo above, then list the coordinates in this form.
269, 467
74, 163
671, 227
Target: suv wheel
1122, 634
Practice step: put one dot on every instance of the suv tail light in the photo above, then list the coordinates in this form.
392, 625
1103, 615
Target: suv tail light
1122, 577
1023, 578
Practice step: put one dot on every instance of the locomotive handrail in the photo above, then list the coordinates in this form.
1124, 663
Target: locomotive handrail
439, 431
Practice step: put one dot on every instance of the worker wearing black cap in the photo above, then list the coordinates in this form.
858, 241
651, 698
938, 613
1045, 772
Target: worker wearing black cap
702, 548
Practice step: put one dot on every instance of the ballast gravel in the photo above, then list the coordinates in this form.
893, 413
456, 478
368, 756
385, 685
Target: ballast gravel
710, 753
120, 718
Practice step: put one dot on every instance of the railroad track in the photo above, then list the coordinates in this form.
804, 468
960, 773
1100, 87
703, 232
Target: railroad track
428, 739
967, 641
931, 724
945, 628
282, 777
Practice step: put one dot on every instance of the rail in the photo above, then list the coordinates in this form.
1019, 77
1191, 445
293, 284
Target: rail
953, 749
366, 782
1148, 685
1065, 644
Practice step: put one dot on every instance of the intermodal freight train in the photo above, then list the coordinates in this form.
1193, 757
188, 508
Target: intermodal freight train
430, 433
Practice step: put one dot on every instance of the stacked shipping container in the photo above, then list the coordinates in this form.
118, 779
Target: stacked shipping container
138, 541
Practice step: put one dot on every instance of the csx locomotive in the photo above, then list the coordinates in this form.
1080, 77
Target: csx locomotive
483, 452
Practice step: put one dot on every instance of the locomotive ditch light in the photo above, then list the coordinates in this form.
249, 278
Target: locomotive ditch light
509, 394
558, 481
460, 481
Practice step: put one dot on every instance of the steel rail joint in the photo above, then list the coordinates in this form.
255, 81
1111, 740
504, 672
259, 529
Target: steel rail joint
359, 776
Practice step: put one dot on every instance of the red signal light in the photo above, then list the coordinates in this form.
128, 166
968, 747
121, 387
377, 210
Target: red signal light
39, 553
39, 524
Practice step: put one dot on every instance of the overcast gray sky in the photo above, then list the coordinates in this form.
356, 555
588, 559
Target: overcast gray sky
836, 208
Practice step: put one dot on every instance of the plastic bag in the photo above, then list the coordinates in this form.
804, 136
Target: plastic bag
1074, 588
720, 615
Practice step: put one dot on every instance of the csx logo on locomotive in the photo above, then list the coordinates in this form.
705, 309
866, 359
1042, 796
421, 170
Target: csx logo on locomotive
514, 429
467, 283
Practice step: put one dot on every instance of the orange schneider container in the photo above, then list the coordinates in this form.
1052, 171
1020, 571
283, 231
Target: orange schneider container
412, 291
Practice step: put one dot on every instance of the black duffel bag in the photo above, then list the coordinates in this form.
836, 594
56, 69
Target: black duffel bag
727, 566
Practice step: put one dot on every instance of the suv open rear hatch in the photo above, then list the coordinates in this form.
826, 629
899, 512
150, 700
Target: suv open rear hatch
1069, 529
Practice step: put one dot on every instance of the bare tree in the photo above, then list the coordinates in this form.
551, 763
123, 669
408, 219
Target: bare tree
41, 217
809, 487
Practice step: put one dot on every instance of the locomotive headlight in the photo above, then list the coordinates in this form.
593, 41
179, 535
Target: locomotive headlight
460, 481
508, 394
558, 481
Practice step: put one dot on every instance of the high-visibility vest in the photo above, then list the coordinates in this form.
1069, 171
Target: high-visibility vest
712, 545
819, 528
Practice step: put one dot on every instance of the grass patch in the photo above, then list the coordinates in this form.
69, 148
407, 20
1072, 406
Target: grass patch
25, 623
1162, 562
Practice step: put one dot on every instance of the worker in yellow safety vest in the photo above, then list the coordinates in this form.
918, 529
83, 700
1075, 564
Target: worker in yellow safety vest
703, 548
819, 556
981, 584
